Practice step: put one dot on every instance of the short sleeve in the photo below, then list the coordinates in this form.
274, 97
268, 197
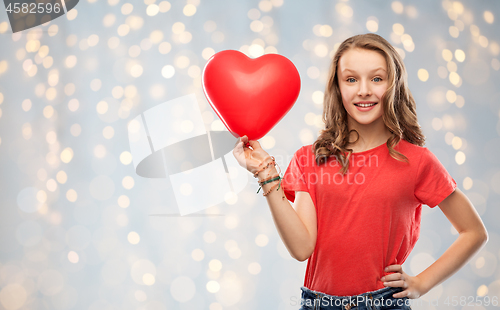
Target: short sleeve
433, 183
294, 177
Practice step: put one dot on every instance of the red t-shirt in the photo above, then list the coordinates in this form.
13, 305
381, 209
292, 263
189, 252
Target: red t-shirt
369, 218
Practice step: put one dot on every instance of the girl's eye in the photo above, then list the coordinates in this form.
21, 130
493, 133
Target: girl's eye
351, 80
377, 78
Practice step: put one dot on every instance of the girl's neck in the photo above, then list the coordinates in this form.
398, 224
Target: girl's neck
370, 135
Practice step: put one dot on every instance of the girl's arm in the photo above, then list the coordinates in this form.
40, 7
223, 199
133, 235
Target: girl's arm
473, 235
296, 227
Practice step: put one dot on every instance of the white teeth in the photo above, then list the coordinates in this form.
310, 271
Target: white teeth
364, 105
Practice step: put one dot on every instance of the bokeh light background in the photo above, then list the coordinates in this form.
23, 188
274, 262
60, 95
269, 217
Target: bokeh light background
80, 230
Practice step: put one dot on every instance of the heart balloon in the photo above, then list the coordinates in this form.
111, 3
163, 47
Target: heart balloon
250, 96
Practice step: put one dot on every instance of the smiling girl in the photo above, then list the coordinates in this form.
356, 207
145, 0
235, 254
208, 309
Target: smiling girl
356, 235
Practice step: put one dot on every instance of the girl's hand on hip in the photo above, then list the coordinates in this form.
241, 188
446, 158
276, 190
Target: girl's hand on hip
250, 157
412, 285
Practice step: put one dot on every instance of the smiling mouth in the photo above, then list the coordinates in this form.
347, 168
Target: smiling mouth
365, 105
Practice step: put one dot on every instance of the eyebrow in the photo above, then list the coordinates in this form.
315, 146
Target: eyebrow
374, 70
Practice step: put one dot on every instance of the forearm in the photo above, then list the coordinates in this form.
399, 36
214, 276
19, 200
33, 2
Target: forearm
290, 227
454, 258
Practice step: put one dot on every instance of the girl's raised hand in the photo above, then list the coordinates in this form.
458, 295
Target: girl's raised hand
249, 157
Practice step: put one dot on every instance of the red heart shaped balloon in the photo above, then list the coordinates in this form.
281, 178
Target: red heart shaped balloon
250, 96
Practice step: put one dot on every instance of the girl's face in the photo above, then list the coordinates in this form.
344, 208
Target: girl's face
362, 76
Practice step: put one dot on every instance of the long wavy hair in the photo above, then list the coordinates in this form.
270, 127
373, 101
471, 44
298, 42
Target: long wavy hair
399, 107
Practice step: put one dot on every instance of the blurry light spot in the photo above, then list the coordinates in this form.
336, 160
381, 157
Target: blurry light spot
213, 286
108, 132
397, 7
113, 42
109, 20
261, 240
189, 10
152, 10
156, 36
168, 71
148, 279
454, 32
456, 142
134, 51
231, 221
178, 28
69, 89
75, 130
164, 48
253, 14
128, 182
483, 41
73, 257
70, 61
254, 268
265, 6
447, 55
67, 155
95, 84
41, 196
256, 50
102, 107
209, 26
423, 75
123, 201
256, 26
313, 72
372, 24
51, 185
71, 195
182, 62
474, 30
317, 97
164, 6
123, 30
26, 130
460, 157
127, 8
488, 17
136, 70
26, 105
321, 50
61, 177
495, 64
197, 255
482, 290
125, 158
451, 96
73, 105
133, 237
71, 15
459, 55
437, 123
467, 183
13, 296
99, 151
454, 78
215, 265
217, 37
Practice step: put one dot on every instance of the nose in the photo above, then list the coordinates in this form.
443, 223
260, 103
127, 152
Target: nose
364, 89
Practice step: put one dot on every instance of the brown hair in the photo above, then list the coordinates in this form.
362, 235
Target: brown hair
399, 116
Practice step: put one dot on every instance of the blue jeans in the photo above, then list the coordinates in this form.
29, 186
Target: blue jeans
376, 300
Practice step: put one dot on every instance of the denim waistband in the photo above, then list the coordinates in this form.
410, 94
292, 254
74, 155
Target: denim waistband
383, 293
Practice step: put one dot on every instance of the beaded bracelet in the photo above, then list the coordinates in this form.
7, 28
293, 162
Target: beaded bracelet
273, 162
270, 179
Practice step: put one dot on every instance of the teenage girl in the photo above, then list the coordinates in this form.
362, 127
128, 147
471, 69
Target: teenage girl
358, 190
